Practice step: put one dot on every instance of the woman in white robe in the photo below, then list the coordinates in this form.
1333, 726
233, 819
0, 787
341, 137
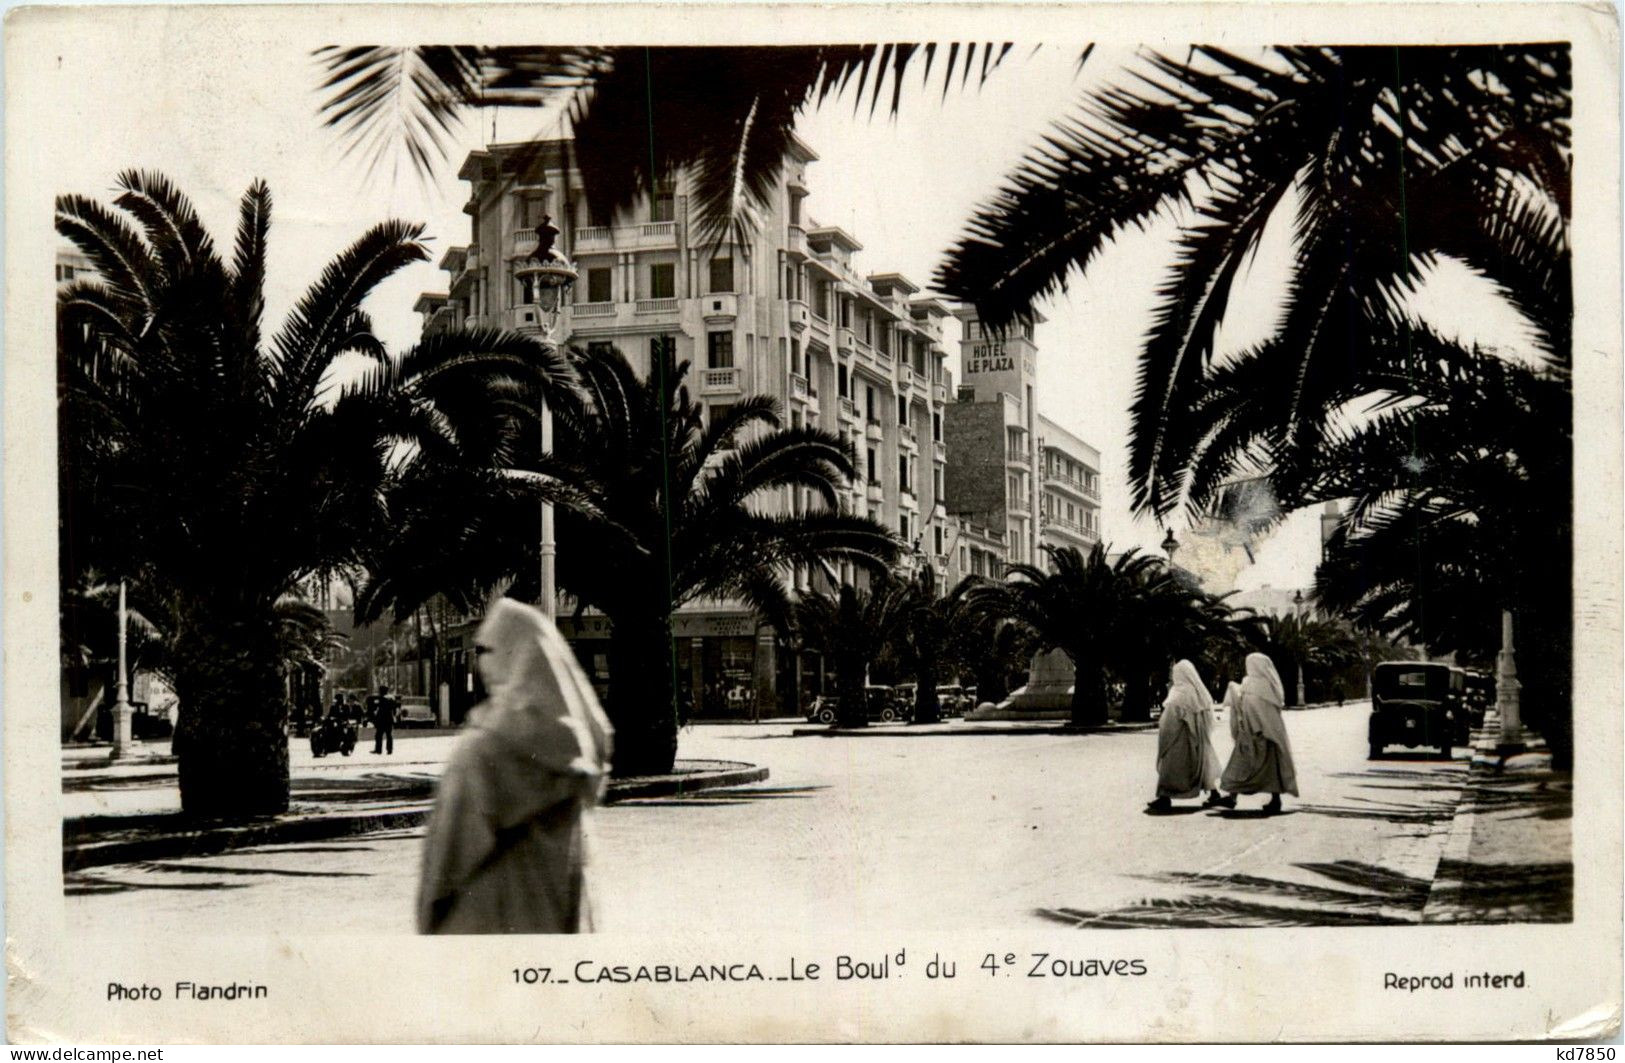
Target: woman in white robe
1186, 763
1261, 762
506, 847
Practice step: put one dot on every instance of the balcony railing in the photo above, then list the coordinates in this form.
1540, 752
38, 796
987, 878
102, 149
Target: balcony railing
656, 306
877, 493
939, 393
1019, 507
875, 432
798, 386
658, 228
911, 436
939, 450
905, 375
593, 234
1016, 456
524, 242
1070, 483
849, 409
593, 310
719, 381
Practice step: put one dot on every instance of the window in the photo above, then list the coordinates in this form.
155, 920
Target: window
719, 350
840, 381
902, 409
885, 338
964, 562
936, 427
722, 274
532, 210
663, 207
796, 364
64, 273
821, 299
846, 313
663, 280
869, 404
868, 327
874, 472
599, 283
795, 209
600, 348
936, 483
662, 347
939, 538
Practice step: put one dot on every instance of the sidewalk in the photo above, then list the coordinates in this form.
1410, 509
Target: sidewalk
130, 810
1509, 857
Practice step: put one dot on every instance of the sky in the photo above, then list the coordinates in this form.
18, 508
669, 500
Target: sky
903, 187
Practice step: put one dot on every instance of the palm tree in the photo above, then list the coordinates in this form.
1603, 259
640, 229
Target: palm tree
735, 107
1074, 607
931, 635
222, 470
852, 628
665, 507
1166, 619
1390, 159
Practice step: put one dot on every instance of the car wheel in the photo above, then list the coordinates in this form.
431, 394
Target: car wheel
887, 716
826, 715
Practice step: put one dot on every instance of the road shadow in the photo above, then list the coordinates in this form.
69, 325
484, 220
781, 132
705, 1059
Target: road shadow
82, 885
1353, 894
1508, 893
1254, 813
1176, 810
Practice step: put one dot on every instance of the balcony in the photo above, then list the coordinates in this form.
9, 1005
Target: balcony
654, 233
875, 432
593, 310
876, 492
939, 451
849, 411
907, 499
939, 394
1018, 506
798, 387
905, 375
594, 238
719, 307
657, 306
911, 437
720, 381
525, 318
523, 243
1070, 485
1014, 456
844, 339
798, 314
472, 321
795, 240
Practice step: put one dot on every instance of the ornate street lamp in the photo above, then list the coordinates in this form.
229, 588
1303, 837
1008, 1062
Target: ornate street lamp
1170, 545
546, 278
124, 742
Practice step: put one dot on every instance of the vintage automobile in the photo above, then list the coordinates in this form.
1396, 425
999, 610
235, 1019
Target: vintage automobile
1479, 697
1413, 705
880, 700
415, 711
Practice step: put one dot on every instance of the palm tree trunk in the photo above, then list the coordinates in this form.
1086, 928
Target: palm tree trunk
1137, 697
1088, 693
642, 694
231, 742
851, 710
926, 709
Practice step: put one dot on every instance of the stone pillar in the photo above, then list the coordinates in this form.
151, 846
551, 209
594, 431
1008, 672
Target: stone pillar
443, 707
1507, 687
696, 674
764, 674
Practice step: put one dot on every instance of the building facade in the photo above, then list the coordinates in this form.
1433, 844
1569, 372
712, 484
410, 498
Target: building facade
788, 314
1017, 477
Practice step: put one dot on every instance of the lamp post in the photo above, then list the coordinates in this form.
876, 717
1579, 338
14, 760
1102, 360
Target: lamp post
123, 726
1507, 687
1170, 545
1297, 609
546, 277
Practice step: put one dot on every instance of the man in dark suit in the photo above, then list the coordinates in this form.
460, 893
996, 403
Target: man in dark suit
382, 708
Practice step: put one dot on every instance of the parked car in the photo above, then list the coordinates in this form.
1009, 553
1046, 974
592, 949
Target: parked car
1480, 696
881, 702
415, 711
822, 709
1413, 705
951, 700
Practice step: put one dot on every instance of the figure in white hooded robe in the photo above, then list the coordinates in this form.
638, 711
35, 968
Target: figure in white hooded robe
1186, 763
1261, 762
506, 847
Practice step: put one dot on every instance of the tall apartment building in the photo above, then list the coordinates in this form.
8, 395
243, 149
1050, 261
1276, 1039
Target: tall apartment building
1017, 477
786, 314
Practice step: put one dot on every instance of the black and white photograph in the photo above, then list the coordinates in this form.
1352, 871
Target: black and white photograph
848, 511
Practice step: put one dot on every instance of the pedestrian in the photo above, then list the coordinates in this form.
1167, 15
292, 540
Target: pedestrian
506, 846
383, 712
1261, 762
1186, 763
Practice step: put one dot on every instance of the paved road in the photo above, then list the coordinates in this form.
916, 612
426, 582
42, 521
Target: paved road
961, 832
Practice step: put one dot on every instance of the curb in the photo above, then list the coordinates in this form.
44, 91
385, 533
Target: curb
210, 841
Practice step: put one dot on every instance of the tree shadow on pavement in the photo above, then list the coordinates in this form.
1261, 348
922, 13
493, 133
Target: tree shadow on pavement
81, 885
1381, 897
719, 797
1508, 893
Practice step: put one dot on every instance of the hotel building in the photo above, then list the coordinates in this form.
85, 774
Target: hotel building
1018, 480
788, 314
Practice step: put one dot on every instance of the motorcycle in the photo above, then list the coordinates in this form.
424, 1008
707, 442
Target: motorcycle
332, 735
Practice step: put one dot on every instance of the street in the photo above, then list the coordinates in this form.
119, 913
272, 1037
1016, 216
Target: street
951, 831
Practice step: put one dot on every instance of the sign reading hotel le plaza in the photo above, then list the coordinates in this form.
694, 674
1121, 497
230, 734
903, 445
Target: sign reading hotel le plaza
989, 358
